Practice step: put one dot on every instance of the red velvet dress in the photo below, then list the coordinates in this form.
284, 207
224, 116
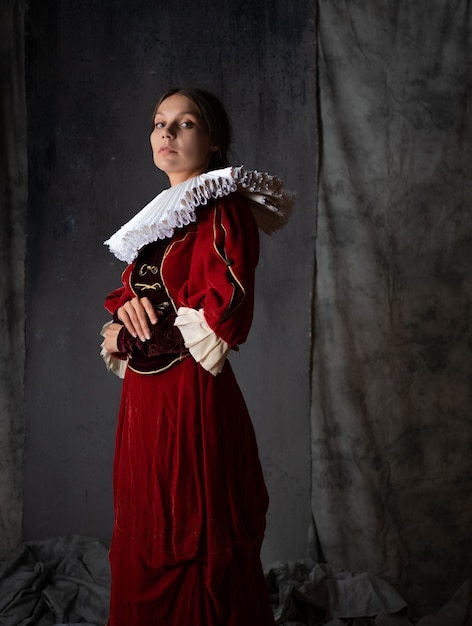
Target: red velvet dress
189, 494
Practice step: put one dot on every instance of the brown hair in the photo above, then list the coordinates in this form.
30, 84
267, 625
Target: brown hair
214, 117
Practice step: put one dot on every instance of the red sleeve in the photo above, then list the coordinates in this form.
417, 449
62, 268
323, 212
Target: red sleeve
222, 272
119, 296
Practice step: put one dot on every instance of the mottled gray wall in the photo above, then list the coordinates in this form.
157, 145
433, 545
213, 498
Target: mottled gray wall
13, 210
94, 71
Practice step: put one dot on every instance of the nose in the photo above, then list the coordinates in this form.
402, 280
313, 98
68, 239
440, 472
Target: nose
168, 132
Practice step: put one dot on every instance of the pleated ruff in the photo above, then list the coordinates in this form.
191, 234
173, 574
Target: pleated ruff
190, 504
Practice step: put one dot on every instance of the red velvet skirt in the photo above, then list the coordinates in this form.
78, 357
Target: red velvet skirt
190, 504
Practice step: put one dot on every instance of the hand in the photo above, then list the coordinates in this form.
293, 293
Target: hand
136, 315
111, 337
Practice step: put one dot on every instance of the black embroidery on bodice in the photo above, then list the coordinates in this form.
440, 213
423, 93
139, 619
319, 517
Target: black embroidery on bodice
146, 280
166, 346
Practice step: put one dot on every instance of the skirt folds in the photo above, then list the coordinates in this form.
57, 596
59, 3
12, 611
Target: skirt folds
190, 504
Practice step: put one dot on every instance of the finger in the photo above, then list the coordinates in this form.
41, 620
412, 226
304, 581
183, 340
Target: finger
128, 314
111, 344
124, 317
133, 316
108, 345
142, 321
114, 328
148, 307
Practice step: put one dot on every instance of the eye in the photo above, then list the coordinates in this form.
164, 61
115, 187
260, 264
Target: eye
159, 125
187, 124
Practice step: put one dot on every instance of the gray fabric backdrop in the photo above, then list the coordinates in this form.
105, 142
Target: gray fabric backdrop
391, 369
94, 72
392, 394
13, 209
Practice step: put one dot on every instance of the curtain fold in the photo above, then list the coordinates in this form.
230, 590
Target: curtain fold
13, 212
392, 355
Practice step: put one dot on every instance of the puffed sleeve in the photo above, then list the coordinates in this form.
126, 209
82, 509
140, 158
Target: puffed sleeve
116, 363
217, 301
118, 297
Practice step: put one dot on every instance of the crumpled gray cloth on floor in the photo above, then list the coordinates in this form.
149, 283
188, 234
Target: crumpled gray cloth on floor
310, 594
59, 580
330, 591
66, 580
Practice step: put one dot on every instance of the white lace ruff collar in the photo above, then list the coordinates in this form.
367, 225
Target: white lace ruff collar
175, 207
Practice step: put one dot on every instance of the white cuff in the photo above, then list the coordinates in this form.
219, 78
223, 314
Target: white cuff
209, 350
115, 365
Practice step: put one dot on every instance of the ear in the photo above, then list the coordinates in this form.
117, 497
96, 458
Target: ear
214, 147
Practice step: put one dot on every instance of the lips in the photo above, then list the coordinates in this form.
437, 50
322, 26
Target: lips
166, 150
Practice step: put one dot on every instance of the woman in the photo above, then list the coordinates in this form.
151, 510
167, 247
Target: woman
189, 494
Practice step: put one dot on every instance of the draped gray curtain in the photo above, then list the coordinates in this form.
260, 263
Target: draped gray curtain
13, 208
392, 358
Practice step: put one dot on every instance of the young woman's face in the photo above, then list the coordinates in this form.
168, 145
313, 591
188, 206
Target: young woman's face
181, 146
